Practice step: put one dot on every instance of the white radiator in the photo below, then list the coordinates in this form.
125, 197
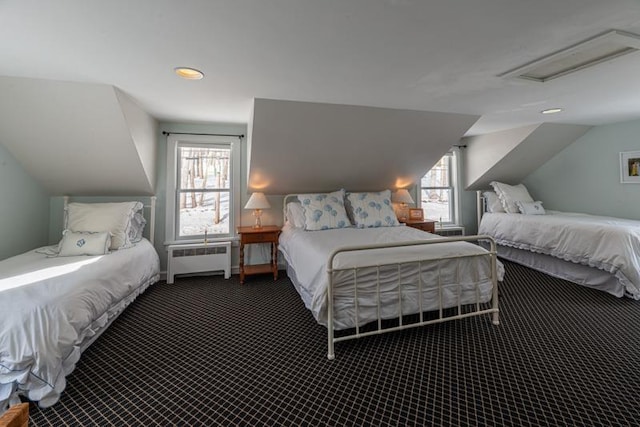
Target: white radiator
199, 258
450, 231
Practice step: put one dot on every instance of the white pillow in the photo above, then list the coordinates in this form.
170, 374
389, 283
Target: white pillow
531, 208
295, 214
324, 211
493, 203
76, 243
372, 209
115, 218
510, 194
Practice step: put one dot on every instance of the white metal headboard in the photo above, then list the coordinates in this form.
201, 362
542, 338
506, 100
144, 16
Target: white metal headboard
481, 204
152, 213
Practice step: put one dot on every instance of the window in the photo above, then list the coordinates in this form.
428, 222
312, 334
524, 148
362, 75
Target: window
438, 191
202, 183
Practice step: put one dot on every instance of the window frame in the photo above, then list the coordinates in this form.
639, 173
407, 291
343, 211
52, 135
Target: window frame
453, 187
173, 192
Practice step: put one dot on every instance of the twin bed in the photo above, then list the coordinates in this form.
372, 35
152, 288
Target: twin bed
55, 301
594, 251
358, 268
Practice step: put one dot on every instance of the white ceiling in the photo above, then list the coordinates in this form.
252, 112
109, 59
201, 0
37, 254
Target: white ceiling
411, 54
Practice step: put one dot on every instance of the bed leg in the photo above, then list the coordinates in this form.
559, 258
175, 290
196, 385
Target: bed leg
330, 352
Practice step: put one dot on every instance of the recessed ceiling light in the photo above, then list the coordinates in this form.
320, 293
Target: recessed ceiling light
189, 73
551, 110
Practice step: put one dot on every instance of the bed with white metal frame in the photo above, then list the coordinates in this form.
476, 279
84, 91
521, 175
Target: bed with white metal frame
335, 272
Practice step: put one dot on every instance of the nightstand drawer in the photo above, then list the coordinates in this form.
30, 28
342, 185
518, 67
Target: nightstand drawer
426, 225
260, 237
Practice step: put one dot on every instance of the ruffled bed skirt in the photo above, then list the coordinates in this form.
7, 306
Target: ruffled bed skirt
20, 380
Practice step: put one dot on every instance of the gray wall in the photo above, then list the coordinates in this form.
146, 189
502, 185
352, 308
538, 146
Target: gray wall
585, 176
24, 208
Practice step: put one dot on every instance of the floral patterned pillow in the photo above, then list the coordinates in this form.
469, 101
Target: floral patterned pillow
531, 208
372, 209
324, 211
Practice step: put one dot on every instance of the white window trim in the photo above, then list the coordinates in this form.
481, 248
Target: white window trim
455, 185
172, 176
457, 190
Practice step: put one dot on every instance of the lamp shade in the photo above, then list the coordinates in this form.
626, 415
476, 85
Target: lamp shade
257, 201
402, 196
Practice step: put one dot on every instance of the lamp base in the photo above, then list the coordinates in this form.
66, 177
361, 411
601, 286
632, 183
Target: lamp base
257, 213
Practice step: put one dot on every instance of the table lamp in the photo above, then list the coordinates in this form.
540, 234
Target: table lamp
257, 202
402, 197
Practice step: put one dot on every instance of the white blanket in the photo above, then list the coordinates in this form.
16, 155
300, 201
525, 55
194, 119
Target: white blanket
52, 307
609, 244
308, 253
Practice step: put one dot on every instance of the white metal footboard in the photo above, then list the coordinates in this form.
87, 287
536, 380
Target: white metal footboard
478, 306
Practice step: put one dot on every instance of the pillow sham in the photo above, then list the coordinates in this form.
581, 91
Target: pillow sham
492, 202
76, 243
324, 211
295, 214
531, 208
510, 194
372, 209
116, 218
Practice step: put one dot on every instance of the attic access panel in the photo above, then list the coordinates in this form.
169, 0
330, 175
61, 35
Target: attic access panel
585, 54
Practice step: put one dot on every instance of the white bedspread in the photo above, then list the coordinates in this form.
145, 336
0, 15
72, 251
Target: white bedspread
52, 307
308, 253
609, 244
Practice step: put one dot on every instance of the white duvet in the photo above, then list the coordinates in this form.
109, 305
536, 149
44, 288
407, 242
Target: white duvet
609, 244
51, 307
307, 252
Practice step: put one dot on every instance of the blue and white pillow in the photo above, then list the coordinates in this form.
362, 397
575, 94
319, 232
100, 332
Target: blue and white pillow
75, 243
372, 209
324, 211
531, 208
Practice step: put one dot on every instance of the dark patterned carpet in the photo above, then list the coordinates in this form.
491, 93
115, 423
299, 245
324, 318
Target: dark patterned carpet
208, 351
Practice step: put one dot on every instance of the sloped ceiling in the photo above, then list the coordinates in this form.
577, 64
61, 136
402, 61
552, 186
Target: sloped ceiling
78, 138
511, 155
297, 147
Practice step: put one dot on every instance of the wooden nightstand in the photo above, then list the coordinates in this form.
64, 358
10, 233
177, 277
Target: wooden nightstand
425, 225
265, 234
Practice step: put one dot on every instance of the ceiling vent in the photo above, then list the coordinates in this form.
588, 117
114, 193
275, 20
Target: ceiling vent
585, 54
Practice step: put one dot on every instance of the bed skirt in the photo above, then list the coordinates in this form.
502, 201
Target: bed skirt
17, 382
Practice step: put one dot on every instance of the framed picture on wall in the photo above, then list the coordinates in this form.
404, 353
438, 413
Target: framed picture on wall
630, 167
416, 214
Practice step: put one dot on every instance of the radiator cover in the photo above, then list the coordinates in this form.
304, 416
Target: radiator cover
198, 258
